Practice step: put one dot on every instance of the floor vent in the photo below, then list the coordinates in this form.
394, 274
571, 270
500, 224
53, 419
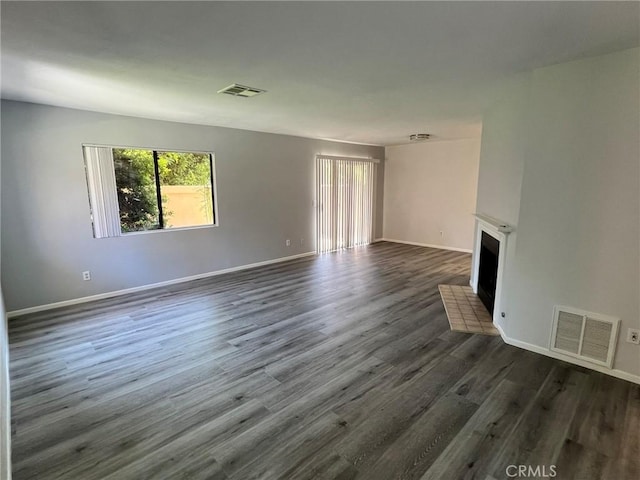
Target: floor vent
238, 90
585, 335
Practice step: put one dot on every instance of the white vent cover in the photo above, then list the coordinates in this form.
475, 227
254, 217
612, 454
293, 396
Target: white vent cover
238, 90
417, 137
588, 336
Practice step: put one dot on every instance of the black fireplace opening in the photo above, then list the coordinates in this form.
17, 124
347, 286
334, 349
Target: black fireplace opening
488, 270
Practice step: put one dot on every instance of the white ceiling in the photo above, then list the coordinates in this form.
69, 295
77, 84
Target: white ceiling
359, 72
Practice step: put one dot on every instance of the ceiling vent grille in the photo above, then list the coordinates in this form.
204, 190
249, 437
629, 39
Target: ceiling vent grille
418, 137
588, 336
238, 90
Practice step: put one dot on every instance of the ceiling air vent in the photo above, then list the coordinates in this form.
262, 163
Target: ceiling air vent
588, 336
238, 90
417, 137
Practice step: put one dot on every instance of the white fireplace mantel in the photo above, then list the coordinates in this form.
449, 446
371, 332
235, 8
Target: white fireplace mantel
500, 231
494, 224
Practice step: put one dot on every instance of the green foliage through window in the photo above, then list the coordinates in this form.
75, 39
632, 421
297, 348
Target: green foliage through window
184, 180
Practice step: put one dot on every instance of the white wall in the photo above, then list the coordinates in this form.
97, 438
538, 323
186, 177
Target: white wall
504, 137
578, 221
5, 394
265, 195
430, 188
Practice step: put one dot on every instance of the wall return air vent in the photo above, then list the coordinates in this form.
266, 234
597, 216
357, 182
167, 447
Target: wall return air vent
238, 90
588, 336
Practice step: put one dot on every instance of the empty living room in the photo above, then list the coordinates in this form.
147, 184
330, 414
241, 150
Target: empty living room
319, 240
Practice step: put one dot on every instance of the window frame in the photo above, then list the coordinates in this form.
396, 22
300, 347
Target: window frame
155, 151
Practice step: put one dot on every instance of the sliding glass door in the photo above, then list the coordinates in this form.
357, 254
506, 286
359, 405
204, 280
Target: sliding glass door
344, 200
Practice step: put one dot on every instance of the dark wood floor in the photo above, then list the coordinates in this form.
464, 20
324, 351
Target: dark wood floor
333, 367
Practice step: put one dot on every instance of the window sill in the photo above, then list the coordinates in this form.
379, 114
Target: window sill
164, 230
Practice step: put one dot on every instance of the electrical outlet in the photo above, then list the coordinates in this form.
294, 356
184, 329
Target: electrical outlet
287, 242
86, 275
633, 336
441, 233
301, 241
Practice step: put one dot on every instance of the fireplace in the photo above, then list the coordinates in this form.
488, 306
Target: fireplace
488, 270
488, 264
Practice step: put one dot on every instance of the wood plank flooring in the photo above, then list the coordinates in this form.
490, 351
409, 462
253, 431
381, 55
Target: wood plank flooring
333, 367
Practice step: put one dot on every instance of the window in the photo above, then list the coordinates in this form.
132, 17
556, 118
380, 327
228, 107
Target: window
137, 189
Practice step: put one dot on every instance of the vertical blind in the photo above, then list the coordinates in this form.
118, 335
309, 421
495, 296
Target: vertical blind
344, 201
103, 195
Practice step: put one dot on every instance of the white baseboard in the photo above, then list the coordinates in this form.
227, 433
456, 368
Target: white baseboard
115, 293
558, 356
5, 401
418, 244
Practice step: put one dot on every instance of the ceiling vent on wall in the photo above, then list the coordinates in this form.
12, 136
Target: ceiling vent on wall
238, 90
417, 137
588, 336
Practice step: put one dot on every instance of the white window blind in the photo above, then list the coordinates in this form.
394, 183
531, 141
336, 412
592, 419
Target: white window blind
344, 191
103, 195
